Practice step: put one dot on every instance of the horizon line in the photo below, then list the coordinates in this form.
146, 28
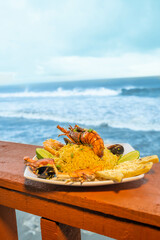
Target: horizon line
78, 80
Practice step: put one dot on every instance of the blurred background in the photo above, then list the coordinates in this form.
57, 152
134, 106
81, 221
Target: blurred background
92, 63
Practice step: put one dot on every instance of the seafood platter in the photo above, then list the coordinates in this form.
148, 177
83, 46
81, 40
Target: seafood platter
84, 160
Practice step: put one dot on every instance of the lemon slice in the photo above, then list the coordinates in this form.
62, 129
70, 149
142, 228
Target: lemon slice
129, 156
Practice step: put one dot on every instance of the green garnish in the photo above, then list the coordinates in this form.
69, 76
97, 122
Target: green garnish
58, 166
72, 155
90, 130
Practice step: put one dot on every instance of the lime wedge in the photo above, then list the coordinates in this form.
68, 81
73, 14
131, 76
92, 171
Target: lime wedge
129, 156
42, 153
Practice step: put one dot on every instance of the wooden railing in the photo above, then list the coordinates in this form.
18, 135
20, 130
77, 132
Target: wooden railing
123, 211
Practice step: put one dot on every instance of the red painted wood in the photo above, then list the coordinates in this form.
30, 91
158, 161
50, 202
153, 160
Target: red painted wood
8, 225
138, 201
103, 224
57, 231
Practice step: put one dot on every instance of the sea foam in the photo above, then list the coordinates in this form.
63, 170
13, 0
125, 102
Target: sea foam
60, 92
135, 126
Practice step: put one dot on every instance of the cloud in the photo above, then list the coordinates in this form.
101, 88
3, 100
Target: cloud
126, 65
49, 39
7, 76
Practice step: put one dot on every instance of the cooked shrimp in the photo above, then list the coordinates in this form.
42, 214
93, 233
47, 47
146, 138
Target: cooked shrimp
52, 146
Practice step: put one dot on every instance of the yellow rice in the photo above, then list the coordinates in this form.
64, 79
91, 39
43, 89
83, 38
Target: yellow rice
75, 157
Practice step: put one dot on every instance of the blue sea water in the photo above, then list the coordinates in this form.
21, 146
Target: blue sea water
120, 110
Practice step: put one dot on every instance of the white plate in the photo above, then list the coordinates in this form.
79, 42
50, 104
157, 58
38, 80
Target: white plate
127, 148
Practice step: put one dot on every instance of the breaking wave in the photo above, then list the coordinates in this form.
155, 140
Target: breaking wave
75, 92
60, 92
142, 126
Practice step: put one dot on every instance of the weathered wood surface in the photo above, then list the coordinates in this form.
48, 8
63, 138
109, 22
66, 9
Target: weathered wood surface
138, 201
8, 225
57, 231
77, 217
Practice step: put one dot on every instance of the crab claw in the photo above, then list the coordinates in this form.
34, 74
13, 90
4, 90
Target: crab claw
43, 168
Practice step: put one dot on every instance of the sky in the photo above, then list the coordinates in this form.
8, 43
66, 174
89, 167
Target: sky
58, 40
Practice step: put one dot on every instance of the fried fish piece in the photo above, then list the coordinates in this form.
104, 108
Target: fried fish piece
153, 159
121, 171
134, 169
114, 175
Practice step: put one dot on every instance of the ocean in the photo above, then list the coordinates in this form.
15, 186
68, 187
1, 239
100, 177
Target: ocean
120, 110
125, 110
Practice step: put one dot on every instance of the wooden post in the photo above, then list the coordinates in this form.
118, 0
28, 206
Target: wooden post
8, 225
51, 230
